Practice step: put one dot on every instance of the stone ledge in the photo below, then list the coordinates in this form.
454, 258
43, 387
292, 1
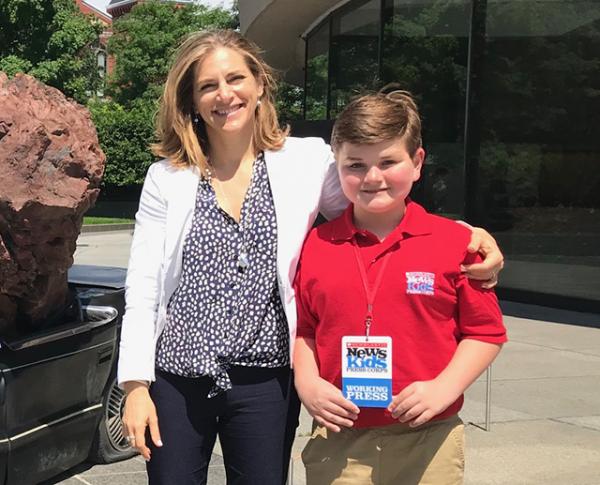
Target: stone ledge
107, 227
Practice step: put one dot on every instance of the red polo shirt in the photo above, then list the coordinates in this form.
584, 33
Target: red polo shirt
424, 302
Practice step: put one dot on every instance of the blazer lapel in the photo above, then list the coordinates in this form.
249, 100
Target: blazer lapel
182, 202
279, 168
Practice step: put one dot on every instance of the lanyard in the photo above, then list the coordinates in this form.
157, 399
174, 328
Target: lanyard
370, 292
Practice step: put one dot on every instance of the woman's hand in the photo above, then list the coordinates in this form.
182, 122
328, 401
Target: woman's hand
140, 413
327, 404
483, 243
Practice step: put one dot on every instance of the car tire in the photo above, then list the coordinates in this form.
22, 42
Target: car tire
109, 443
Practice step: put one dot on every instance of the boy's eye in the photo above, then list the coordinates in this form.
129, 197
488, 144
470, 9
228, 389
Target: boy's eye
387, 163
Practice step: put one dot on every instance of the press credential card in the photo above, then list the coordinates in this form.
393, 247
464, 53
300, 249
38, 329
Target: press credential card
367, 370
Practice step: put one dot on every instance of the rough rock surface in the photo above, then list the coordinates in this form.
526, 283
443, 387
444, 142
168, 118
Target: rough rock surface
50, 170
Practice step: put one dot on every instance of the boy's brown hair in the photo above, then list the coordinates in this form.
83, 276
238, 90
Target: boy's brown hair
373, 118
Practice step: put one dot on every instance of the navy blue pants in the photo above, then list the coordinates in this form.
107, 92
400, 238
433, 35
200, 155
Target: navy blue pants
256, 422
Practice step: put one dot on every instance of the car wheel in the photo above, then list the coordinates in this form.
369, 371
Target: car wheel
109, 443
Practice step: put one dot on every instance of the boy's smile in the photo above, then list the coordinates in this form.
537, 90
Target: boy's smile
377, 179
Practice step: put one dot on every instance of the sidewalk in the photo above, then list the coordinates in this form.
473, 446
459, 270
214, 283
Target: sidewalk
545, 400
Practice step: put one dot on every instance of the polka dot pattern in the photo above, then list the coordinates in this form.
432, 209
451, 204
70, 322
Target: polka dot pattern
223, 314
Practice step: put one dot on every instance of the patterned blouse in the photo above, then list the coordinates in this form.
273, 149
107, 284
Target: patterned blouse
226, 310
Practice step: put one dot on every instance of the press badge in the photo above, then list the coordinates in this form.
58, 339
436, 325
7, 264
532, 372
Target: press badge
367, 370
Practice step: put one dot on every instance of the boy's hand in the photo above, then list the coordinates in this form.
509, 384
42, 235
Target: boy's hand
327, 404
421, 401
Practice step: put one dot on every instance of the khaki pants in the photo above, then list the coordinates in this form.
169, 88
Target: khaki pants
432, 454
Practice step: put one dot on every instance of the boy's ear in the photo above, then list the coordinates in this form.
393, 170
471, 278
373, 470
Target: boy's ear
418, 160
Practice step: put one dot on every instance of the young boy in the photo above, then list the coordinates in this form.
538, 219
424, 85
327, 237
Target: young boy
390, 332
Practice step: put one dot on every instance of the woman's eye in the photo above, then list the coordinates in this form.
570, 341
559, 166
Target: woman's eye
204, 87
355, 166
237, 78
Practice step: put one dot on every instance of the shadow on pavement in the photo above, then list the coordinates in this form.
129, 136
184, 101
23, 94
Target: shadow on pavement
552, 315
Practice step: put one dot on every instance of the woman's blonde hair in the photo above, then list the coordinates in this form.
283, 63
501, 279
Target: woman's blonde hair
184, 142
373, 118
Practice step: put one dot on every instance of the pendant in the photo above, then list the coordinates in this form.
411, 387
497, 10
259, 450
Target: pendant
243, 261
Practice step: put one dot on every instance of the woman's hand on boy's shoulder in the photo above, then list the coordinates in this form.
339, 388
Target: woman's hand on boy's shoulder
482, 242
326, 404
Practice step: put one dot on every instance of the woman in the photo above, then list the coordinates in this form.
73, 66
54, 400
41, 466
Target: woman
210, 315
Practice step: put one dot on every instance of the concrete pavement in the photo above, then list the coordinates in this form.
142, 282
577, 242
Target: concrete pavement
545, 400
104, 248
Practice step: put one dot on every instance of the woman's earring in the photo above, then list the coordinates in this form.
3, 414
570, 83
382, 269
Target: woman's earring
195, 118
258, 103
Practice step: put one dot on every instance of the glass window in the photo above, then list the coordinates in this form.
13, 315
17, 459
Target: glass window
317, 67
538, 178
425, 51
516, 103
354, 52
101, 63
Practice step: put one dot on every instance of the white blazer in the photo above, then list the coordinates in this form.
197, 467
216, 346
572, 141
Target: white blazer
303, 180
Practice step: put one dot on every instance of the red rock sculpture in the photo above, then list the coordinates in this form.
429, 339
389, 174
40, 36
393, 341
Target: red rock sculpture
50, 170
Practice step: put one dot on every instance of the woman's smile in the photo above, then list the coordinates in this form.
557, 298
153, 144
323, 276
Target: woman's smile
229, 111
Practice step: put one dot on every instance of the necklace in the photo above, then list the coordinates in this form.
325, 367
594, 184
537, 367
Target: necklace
243, 259
217, 182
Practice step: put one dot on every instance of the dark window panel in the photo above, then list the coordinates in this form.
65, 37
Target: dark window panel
425, 51
539, 186
354, 53
522, 109
317, 66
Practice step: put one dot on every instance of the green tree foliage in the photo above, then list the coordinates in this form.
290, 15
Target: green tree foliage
13, 64
289, 102
316, 87
52, 41
125, 134
144, 41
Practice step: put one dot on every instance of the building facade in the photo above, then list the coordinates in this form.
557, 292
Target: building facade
106, 63
510, 96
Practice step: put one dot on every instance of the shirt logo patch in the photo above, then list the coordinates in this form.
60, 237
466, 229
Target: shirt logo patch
419, 283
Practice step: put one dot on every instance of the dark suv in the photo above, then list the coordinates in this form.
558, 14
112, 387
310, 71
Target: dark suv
59, 402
